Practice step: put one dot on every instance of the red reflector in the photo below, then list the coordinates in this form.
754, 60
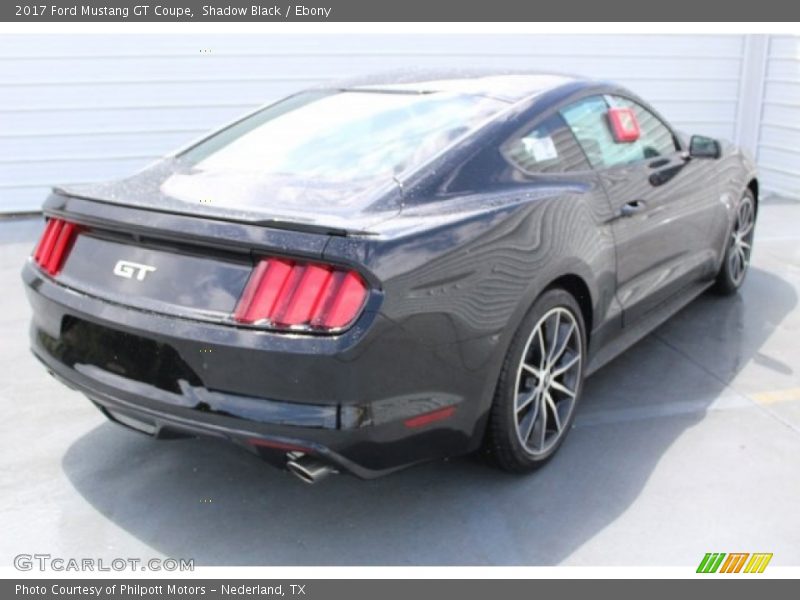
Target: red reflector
431, 417
278, 445
287, 294
56, 242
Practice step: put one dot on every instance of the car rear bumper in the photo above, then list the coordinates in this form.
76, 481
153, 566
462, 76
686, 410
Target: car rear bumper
360, 401
271, 440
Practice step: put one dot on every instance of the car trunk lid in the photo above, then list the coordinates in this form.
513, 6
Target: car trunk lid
159, 278
166, 263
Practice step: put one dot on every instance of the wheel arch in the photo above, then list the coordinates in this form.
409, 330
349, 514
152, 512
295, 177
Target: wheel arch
578, 289
574, 277
753, 186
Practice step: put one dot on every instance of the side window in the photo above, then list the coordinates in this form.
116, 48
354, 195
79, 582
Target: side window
655, 138
588, 121
548, 148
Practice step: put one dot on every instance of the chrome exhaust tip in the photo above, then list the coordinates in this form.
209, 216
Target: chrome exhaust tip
308, 469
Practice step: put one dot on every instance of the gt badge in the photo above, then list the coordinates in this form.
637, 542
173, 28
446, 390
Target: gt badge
128, 269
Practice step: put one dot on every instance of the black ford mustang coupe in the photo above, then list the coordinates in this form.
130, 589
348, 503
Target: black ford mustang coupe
372, 274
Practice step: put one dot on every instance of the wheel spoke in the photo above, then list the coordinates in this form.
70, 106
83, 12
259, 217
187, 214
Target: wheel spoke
566, 367
742, 258
554, 342
532, 370
560, 387
549, 400
543, 413
735, 267
542, 348
527, 399
534, 416
562, 346
744, 213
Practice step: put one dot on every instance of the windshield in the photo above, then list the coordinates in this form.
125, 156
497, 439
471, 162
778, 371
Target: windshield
341, 136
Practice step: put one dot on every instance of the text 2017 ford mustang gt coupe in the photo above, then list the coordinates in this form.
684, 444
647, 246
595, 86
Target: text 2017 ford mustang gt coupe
366, 276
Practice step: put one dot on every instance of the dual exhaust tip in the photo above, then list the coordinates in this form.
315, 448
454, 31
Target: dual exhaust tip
307, 468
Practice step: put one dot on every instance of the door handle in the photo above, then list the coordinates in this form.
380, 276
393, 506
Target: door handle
631, 208
658, 163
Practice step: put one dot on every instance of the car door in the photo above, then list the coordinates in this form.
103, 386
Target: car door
661, 202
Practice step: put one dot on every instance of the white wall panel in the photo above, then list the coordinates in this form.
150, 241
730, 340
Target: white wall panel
80, 108
779, 140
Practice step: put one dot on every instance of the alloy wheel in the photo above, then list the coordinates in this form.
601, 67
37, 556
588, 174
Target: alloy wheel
547, 381
741, 240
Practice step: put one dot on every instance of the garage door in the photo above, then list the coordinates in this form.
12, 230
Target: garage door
779, 142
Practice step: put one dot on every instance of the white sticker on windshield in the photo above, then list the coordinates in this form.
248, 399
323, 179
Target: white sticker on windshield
540, 148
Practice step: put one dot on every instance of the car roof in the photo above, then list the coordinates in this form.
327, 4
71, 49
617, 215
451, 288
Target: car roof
509, 86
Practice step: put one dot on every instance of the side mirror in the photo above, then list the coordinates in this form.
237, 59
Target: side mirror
701, 146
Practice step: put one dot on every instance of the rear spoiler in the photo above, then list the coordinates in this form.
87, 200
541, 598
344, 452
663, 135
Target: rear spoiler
271, 223
186, 229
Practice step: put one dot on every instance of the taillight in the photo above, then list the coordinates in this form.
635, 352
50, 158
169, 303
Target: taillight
287, 294
55, 244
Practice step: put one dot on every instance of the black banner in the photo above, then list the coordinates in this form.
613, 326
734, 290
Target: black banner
409, 10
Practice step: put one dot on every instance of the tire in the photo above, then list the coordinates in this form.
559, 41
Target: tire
738, 247
520, 436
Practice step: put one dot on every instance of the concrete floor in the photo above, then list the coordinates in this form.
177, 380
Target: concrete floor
688, 443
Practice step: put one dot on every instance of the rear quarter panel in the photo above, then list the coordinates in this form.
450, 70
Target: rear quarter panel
459, 274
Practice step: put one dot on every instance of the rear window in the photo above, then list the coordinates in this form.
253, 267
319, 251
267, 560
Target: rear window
549, 148
344, 135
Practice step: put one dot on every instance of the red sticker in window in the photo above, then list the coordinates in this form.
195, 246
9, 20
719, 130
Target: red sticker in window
624, 125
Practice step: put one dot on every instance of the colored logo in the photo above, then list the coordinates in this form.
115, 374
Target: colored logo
735, 562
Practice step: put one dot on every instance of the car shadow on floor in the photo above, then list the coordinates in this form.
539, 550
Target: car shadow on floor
207, 500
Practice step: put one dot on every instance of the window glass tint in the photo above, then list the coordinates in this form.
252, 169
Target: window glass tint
588, 121
548, 148
343, 136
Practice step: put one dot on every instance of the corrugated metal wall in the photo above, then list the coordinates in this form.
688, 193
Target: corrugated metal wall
779, 140
80, 108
